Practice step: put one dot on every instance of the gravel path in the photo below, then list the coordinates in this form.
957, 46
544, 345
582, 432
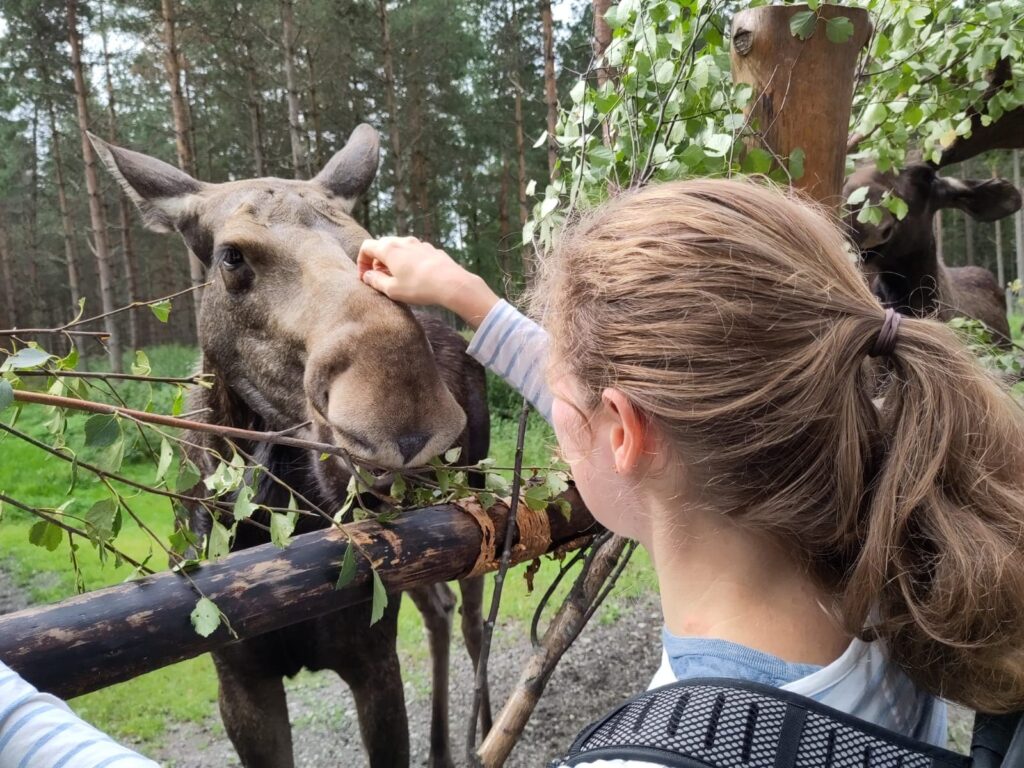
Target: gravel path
610, 662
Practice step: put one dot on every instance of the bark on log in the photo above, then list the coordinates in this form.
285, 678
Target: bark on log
803, 89
111, 635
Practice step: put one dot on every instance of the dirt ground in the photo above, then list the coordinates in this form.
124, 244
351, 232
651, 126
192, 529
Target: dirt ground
611, 661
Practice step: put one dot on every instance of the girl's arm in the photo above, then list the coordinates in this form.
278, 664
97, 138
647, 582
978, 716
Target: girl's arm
511, 345
38, 730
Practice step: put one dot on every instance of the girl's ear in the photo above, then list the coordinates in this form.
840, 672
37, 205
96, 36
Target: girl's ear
630, 430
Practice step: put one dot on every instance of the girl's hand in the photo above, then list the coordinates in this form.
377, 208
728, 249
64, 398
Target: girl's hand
408, 270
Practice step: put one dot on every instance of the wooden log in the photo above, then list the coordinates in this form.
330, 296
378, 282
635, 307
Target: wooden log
803, 89
112, 635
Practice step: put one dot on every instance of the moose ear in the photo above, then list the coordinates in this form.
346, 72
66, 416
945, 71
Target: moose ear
984, 200
160, 191
351, 171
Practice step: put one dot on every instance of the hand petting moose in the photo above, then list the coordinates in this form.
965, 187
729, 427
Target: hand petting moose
900, 257
291, 335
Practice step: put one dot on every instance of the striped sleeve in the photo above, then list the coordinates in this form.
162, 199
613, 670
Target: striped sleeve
515, 348
38, 730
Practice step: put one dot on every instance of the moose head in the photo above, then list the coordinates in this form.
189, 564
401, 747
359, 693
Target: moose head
899, 256
905, 247
285, 322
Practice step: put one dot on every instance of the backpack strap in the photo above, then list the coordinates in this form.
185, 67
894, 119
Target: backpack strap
723, 723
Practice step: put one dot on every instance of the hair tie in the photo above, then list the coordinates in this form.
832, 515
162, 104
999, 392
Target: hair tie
886, 341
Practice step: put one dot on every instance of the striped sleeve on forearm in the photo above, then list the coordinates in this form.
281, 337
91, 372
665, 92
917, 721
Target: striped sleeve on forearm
515, 348
38, 730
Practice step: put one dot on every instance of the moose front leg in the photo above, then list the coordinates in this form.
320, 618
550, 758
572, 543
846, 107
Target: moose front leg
365, 657
472, 610
436, 603
254, 710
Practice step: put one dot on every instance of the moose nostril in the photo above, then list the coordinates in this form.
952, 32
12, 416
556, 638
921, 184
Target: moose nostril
410, 445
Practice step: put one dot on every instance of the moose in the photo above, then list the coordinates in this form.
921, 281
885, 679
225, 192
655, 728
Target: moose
899, 256
293, 339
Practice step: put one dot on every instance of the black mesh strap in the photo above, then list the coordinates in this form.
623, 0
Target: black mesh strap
718, 723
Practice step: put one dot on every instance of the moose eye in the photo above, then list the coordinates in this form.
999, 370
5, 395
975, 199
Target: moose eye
231, 258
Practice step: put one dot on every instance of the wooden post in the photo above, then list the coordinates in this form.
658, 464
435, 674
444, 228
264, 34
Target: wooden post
803, 89
112, 635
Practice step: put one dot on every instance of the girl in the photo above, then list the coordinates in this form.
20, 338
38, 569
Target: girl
704, 362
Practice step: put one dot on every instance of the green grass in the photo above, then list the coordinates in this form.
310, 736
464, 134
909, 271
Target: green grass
1015, 327
139, 710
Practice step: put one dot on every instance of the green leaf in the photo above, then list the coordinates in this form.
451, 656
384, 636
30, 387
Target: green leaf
28, 357
870, 214
796, 163
282, 525
104, 520
757, 161
141, 366
897, 207
178, 406
102, 430
802, 24
858, 196
664, 71
162, 309
578, 91
380, 599
496, 484
205, 617
166, 457
537, 497
6, 394
244, 506
839, 29
188, 476
398, 488
718, 144
219, 542
45, 534
452, 455
348, 568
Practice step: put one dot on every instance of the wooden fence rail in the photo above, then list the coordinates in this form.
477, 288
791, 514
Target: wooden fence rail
111, 635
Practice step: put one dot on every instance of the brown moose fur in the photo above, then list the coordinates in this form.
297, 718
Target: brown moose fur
900, 257
292, 336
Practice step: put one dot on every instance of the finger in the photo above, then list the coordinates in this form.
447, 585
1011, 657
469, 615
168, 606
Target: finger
379, 281
366, 257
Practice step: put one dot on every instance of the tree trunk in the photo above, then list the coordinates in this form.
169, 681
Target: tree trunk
8, 277
299, 161
517, 117
314, 112
38, 314
401, 205
504, 225
550, 88
111, 635
602, 38
779, 66
939, 234
1018, 231
67, 226
179, 110
127, 253
96, 213
255, 111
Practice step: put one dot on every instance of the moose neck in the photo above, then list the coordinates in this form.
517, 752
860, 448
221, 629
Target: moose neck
912, 278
